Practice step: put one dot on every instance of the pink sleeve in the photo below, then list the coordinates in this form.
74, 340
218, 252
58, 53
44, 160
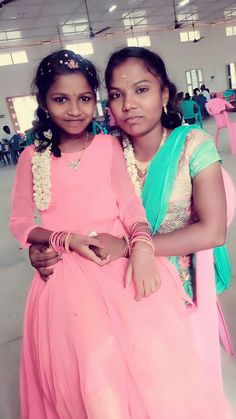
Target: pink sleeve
130, 205
22, 219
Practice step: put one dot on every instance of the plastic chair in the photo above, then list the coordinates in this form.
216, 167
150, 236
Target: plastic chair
189, 113
206, 321
229, 94
216, 107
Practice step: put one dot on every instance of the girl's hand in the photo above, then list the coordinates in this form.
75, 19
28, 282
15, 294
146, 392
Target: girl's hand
82, 245
113, 246
43, 259
142, 269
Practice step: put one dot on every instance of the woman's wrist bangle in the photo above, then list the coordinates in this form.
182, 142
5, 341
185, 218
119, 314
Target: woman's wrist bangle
127, 250
143, 250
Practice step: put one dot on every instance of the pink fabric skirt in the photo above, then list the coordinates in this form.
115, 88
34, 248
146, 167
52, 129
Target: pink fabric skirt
90, 351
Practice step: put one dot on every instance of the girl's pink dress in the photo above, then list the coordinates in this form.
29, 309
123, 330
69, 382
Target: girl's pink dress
90, 351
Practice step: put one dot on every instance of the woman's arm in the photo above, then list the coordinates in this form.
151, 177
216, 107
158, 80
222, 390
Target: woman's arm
210, 207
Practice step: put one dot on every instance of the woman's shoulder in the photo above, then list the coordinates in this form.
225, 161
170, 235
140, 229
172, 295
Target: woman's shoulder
196, 138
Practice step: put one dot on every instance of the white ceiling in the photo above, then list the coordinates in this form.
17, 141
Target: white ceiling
39, 21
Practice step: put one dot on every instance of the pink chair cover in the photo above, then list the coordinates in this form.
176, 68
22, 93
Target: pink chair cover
206, 318
216, 108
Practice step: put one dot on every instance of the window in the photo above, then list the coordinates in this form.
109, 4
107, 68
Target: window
186, 17
231, 75
5, 59
135, 18
230, 30
230, 13
17, 57
99, 108
189, 36
78, 25
10, 35
22, 109
139, 41
85, 48
194, 78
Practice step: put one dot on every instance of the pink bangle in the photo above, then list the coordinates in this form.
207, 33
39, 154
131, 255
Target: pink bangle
127, 250
60, 241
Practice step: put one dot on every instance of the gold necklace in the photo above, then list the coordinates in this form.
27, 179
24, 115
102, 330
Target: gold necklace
74, 164
142, 166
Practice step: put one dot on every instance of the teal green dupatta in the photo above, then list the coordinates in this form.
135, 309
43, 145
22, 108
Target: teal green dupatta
158, 188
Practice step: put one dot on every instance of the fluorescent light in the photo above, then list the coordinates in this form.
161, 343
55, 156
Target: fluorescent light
112, 8
183, 2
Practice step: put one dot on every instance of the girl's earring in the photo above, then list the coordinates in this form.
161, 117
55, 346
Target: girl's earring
165, 109
47, 114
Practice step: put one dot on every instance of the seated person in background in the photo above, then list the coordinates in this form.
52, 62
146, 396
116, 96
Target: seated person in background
205, 92
187, 96
14, 147
196, 93
201, 101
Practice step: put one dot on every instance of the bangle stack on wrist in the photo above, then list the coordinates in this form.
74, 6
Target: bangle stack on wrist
139, 232
59, 241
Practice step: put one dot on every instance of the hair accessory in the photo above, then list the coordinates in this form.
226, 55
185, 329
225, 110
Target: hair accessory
48, 134
72, 64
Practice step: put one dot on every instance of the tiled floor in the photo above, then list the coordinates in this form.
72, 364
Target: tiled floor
15, 275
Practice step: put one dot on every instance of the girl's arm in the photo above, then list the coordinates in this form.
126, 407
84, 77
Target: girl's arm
22, 219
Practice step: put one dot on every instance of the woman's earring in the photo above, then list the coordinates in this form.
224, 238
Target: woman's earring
165, 109
47, 114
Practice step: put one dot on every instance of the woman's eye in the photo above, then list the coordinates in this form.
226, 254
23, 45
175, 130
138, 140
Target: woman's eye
85, 98
60, 99
142, 90
115, 95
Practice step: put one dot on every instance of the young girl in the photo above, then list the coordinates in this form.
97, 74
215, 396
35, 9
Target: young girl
93, 348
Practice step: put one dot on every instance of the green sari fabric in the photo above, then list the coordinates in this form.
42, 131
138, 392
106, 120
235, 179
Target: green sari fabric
158, 188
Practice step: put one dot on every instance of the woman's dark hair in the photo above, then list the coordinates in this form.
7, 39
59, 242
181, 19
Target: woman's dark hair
156, 66
60, 62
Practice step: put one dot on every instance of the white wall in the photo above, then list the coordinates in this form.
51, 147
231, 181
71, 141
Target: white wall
211, 54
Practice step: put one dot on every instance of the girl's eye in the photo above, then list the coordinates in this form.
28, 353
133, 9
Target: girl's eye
115, 95
142, 90
60, 99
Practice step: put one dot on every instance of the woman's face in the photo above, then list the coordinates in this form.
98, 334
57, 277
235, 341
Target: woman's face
135, 98
70, 103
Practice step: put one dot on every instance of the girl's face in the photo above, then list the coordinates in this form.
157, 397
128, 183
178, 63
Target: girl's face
135, 98
70, 103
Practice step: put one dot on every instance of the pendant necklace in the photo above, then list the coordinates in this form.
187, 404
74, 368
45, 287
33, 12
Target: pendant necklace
142, 167
74, 164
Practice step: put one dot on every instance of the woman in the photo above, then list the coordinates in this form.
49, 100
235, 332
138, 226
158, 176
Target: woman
140, 98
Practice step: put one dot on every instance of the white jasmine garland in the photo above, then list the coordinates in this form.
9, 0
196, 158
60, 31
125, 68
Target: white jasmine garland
131, 165
41, 169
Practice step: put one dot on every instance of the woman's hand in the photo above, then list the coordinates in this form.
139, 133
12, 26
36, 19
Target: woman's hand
113, 246
142, 269
85, 246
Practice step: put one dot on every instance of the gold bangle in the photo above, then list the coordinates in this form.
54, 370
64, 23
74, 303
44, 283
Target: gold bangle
143, 250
